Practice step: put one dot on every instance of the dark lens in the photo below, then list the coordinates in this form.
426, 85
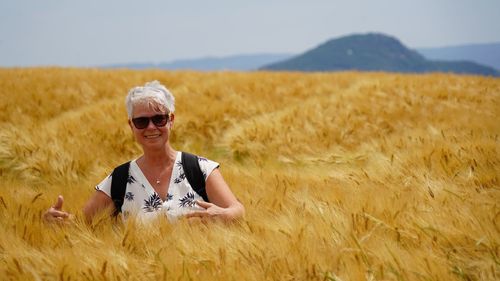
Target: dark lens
160, 120
141, 122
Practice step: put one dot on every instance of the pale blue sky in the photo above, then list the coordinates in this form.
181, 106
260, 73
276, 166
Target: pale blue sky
97, 32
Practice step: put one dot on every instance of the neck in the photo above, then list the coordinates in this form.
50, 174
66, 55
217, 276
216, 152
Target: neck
164, 156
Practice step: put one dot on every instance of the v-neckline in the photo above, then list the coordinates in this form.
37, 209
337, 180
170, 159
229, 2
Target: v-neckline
148, 184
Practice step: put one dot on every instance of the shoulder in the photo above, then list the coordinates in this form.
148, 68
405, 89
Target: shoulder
105, 185
121, 173
206, 165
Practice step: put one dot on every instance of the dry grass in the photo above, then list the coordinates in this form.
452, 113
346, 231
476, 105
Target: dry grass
345, 176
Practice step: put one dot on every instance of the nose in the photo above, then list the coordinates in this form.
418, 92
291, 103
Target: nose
150, 124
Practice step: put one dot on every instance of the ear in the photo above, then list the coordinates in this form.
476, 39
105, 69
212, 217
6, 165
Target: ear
130, 125
172, 118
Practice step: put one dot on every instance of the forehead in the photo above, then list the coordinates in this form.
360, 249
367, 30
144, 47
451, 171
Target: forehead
147, 109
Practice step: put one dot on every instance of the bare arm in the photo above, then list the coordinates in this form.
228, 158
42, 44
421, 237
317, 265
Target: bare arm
98, 201
223, 204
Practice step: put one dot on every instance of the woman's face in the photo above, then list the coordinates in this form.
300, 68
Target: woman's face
152, 136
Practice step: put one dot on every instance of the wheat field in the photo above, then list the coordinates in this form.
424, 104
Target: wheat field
344, 176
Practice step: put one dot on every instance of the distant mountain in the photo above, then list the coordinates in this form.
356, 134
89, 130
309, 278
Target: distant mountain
487, 54
372, 52
236, 62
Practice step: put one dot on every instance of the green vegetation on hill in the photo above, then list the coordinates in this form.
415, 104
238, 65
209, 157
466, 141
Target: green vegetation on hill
483, 53
372, 52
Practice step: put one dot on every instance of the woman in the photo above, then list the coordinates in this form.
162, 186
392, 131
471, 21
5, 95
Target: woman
156, 181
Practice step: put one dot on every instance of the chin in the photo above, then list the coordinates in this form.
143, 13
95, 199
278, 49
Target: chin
156, 142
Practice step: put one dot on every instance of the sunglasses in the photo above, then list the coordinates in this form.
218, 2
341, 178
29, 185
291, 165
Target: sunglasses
159, 120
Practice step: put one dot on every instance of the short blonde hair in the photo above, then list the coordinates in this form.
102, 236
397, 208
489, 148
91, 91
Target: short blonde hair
152, 93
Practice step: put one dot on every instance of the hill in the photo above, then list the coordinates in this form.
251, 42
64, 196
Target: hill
486, 54
237, 62
372, 52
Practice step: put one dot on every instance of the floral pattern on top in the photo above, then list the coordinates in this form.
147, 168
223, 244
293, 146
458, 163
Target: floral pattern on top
129, 196
180, 178
169, 197
153, 203
178, 164
130, 179
141, 198
187, 201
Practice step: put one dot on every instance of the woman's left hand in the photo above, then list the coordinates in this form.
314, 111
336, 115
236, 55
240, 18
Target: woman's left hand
211, 211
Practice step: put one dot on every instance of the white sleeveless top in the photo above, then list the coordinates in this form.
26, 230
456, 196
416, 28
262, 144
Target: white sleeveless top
142, 200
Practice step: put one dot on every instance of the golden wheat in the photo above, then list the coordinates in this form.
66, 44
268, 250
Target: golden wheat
345, 176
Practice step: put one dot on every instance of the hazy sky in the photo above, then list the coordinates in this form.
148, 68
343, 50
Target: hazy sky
97, 32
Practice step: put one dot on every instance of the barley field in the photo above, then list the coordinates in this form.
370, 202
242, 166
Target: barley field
344, 176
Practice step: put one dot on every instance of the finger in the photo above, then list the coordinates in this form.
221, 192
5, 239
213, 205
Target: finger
197, 214
58, 214
59, 203
203, 204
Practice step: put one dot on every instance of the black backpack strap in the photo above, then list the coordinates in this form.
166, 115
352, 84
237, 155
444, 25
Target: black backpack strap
194, 174
118, 186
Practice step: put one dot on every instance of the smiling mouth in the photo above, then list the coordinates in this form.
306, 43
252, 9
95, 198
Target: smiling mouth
152, 136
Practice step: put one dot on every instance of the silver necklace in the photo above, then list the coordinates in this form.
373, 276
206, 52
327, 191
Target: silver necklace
158, 178
158, 181
161, 174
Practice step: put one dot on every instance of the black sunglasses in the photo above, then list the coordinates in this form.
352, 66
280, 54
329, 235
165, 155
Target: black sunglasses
158, 120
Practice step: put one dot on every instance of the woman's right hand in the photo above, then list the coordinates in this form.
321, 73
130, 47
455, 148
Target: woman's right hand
55, 213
